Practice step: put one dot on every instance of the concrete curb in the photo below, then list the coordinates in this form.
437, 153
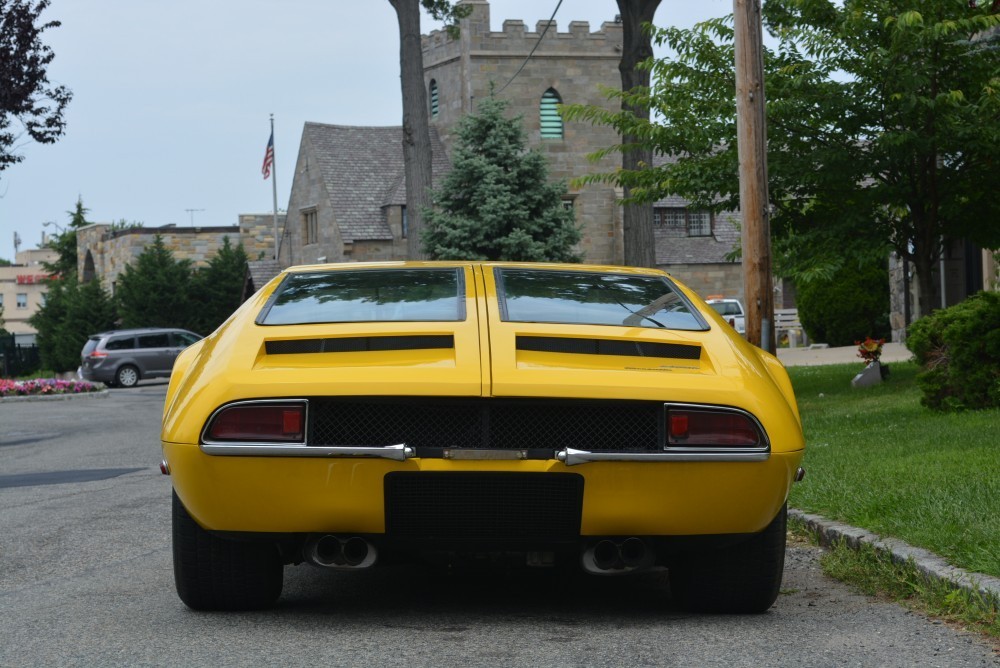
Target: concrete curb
927, 563
55, 397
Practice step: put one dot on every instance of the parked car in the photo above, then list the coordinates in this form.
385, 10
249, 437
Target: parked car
731, 311
557, 415
125, 356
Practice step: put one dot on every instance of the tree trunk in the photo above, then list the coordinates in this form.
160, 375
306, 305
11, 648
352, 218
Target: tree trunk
640, 246
416, 129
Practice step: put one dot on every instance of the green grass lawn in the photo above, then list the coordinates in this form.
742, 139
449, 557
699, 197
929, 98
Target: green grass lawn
877, 459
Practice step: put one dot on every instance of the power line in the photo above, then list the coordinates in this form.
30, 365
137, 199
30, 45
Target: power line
540, 38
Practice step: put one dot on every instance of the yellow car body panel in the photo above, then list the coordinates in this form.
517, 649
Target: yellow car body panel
344, 494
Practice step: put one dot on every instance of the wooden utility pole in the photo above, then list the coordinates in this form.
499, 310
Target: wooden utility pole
751, 135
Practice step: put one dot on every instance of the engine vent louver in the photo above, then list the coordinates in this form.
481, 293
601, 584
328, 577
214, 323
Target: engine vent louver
551, 344
355, 344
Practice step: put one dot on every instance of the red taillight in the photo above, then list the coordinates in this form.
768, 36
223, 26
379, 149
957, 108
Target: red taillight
97, 353
268, 423
704, 428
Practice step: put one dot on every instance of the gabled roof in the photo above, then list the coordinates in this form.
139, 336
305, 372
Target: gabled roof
362, 168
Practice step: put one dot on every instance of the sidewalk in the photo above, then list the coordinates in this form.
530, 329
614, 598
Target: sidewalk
891, 352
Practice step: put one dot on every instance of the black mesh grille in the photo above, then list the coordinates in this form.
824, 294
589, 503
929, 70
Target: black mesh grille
555, 344
508, 507
621, 426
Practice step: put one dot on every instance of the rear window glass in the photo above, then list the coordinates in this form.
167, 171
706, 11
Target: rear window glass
371, 295
90, 346
120, 344
727, 308
589, 298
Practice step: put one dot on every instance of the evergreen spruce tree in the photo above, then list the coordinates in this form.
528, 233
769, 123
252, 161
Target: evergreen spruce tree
72, 311
497, 202
218, 288
154, 291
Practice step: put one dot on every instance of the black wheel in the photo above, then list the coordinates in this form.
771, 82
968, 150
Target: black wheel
213, 573
126, 376
741, 578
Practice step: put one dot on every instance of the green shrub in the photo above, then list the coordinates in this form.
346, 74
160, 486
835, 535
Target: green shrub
851, 305
959, 350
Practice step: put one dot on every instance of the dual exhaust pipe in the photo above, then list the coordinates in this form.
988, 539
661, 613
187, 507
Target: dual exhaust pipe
608, 557
339, 552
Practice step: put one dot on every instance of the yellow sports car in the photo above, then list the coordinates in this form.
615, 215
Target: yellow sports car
553, 414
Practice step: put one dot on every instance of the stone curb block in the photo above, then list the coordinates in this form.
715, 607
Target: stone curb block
927, 563
56, 397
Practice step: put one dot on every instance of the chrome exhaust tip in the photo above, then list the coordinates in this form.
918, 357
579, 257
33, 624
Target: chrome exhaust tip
330, 551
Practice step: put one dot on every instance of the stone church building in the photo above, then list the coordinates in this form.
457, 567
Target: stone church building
348, 195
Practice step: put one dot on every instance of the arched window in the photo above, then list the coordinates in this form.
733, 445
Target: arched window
433, 95
551, 121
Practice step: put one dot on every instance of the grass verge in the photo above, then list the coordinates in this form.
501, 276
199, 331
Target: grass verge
879, 460
875, 573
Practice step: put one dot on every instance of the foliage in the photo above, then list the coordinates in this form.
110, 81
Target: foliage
155, 290
959, 349
72, 311
27, 99
882, 131
216, 290
497, 203
877, 459
65, 243
849, 306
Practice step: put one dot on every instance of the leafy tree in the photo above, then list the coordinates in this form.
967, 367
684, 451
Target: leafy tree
72, 311
497, 203
28, 103
852, 304
417, 163
65, 243
882, 129
218, 288
154, 291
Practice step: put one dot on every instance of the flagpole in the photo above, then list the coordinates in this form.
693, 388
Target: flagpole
274, 194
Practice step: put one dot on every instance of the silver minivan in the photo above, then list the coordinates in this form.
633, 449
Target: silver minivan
125, 356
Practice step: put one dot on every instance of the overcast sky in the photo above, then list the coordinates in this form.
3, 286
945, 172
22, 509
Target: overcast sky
171, 100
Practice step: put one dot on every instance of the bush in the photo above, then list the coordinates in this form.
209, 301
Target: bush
959, 350
848, 307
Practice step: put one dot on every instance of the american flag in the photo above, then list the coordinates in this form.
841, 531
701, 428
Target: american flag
268, 157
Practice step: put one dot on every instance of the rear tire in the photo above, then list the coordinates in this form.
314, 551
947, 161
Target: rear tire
126, 376
213, 573
742, 578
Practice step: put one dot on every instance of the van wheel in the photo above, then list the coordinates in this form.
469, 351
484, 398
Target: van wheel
213, 573
126, 376
741, 578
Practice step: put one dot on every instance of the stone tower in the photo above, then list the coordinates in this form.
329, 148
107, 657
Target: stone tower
565, 68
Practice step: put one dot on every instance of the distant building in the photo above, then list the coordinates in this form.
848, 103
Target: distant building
103, 251
22, 291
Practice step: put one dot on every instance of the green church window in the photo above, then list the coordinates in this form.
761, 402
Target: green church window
434, 98
551, 121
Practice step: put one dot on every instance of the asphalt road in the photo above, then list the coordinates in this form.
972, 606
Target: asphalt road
86, 580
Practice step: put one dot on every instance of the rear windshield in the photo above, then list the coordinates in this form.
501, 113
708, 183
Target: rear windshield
590, 298
369, 295
90, 346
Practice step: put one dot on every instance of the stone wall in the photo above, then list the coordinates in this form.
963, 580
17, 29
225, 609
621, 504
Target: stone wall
257, 234
103, 253
576, 64
710, 279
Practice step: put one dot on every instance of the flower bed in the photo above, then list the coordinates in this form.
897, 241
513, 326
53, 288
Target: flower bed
46, 386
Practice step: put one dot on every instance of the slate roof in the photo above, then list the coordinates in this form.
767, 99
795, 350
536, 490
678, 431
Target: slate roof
362, 168
259, 272
673, 249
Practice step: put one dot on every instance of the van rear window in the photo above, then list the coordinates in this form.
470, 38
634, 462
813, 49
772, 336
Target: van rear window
368, 295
